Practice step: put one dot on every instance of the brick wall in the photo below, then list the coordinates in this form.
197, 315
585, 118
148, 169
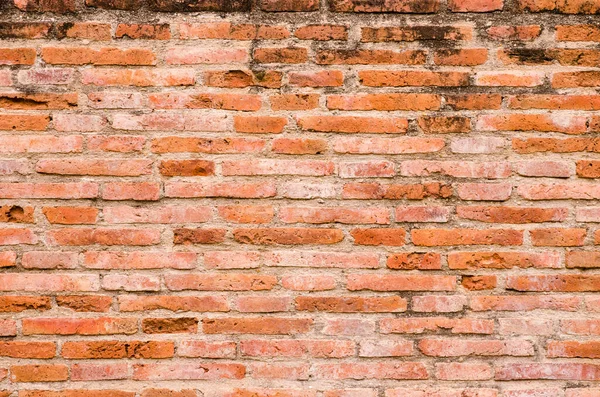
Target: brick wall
299, 198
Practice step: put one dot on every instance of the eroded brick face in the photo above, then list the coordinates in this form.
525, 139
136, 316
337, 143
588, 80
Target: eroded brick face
299, 198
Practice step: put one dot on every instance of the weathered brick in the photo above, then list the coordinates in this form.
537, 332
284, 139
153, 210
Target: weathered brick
236, 192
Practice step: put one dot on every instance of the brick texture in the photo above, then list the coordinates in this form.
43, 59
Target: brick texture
299, 198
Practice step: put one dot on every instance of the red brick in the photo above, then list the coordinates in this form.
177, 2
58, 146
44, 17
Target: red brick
138, 77
557, 102
83, 30
308, 283
17, 56
355, 260
516, 215
322, 32
579, 326
277, 167
554, 371
557, 237
514, 33
448, 237
131, 191
17, 349
582, 259
19, 303
474, 101
246, 214
102, 56
414, 260
325, 78
391, 237
252, 325
243, 78
348, 304
85, 303
475, 5
166, 214
562, 283
416, 33
387, 145
456, 347
288, 236
49, 260
228, 31
76, 393
81, 326
280, 55
352, 124
421, 214
509, 79
289, 5
294, 101
218, 282
479, 283
162, 121
456, 169
384, 102
8, 258
25, 30
179, 325
198, 348
462, 57
188, 371
484, 191
503, 260
224, 189
412, 78
39, 373
77, 166
373, 370
186, 168
174, 100
333, 215
231, 259
520, 326
143, 31
396, 191
572, 349
463, 371
200, 55
91, 372
102, 236
479, 145
260, 124
524, 303
115, 100
206, 145
132, 283
533, 122
394, 282
198, 236
371, 57
318, 348
370, 169
132, 303
263, 304
577, 33
299, 146
48, 282
438, 303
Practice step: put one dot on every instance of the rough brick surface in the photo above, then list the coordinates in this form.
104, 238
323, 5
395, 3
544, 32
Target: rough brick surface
299, 198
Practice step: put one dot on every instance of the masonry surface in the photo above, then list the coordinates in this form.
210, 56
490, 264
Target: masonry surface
299, 198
